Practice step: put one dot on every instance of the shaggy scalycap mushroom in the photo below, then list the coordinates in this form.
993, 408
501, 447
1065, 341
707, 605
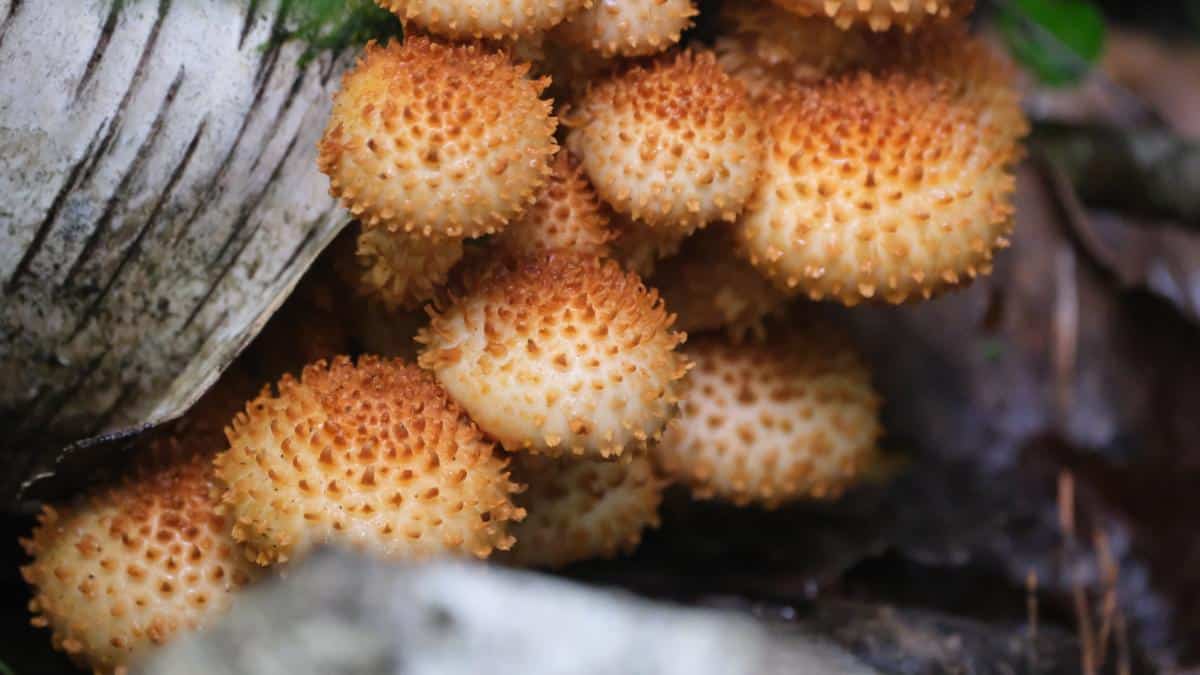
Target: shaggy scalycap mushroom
627, 27
557, 354
675, 143
893, 185
710, 289
567, 216
403, 270
132, 566
879, 15
580, 509
371, 454
495, 19
440, 140
767, 47
794, 417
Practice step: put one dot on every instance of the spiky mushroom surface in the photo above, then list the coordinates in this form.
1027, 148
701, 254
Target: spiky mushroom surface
557, 354
639, 247
567, 216
495, 19
795, 417
767, 47
435, 139
895, 185
710, 289
627, 27
673, 143
403, 270
580, 509
879, 15
133, 566
373, 455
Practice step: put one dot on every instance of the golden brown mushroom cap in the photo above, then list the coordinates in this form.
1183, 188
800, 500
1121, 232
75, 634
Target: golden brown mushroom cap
495, 19
582, 508
435, 139
710, 289
676, 143
372, 454
880, 15
563, 353
794, 417
767, 47
896, 184
627, 27
132, 566
567, 216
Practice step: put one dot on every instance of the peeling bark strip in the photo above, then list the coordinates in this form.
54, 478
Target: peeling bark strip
155, 218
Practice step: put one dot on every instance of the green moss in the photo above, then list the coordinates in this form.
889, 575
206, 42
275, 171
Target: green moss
333, 25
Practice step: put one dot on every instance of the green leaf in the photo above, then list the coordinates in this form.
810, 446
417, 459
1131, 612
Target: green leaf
5, 670
331, 25
1057, 40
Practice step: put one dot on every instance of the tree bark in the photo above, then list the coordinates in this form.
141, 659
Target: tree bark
158, 199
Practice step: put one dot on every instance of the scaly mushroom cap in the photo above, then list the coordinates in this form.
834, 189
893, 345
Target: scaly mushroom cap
561, 353
880, 15
441, 140
639, 247
403, 270
373, 455
567, 216
627, 27
675, 143
580, 509
496, 19
766, 47
767, 423
709, 289
132, 566
897, 185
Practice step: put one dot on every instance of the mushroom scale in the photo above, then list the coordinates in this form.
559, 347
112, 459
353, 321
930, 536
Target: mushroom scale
401, 270
495, 19
767, 47
673, 143
880, 15
627, 27
435, 139
710, 289
567, 216
132, 566
372, 454
766, 423
582, 508
563, 353
894, 185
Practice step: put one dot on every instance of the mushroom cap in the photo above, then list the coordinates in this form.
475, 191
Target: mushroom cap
627, 27
895, 184
794, 417
495, 19
880, 15
673, 143
559, 353
440, 140
567, 216
767, 47
373, 455
710, 289
639, 247
132, 566
403, 270
582, 508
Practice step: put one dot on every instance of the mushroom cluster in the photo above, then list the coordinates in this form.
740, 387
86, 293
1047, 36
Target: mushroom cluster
568, 189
